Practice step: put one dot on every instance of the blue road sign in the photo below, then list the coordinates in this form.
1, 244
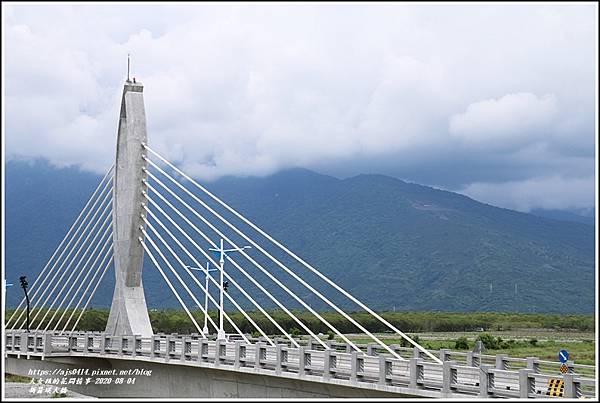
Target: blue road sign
563, 356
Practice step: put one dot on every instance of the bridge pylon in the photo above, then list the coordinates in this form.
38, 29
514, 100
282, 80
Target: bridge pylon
128, 312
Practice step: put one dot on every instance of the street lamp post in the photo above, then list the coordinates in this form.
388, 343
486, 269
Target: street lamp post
24, 285
206, 273
222, 252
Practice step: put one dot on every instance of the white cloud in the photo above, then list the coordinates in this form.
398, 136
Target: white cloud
552, 192
250, 89
509, 121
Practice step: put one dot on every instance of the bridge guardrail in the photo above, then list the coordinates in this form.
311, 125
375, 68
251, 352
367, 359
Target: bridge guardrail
500, 361
485, 377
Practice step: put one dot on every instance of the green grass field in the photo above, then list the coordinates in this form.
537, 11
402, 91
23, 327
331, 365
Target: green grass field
16, 378
581, 346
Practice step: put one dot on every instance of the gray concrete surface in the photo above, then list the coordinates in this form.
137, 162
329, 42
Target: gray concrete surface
18, 390
179, 381
129, 314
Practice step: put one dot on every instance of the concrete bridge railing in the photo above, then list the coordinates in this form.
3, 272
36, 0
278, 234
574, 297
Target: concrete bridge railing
411, 376
471, 359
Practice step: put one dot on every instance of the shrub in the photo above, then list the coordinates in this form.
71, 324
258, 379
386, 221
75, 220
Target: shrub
330, 335
406, 343
502, 344
295, 331
533, 341
489, 341
461, 343
56, 395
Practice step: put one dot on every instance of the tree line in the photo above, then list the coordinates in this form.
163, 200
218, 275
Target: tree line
177, 321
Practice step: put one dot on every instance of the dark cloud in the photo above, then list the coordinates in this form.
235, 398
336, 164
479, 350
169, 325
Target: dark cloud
496, 101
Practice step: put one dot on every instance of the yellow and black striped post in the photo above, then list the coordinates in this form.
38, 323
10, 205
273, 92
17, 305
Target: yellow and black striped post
556, 387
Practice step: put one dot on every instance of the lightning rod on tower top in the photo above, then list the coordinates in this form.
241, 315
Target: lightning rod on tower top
128, 80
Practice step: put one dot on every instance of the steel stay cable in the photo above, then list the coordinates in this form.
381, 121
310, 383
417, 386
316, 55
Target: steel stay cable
209, 277
104, 245
71, 263
226, 316
226, 274
34, 298
296, 257
41, 275
90, 297
177, 275
201, 286
81, 283
108, 254
285, 268
67, 259
260, 267
170, 285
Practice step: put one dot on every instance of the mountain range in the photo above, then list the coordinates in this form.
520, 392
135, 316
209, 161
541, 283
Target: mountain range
392, 244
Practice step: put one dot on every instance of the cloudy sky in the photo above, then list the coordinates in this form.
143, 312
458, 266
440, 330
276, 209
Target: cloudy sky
496, 101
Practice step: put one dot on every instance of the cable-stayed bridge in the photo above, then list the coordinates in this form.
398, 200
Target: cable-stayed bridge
146, 207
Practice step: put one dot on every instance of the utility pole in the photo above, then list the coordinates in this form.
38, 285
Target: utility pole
222, 252
24, 285
206, 273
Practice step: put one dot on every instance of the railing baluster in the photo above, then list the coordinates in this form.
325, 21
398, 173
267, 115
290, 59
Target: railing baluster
448, 376
308, 361
301, 361
326, 364
486, 381
572, 386
47, 344
86, 343
533, 364
501, 362
218, 344
185, 348
353, 366
416, 372
168, 347
417, 353
279, 350
39, 343
524, 382
473, 359
445, 354
102, 343
137, 345
258, 355
385, 370
122, 345
153, 346
237, 354
203, 350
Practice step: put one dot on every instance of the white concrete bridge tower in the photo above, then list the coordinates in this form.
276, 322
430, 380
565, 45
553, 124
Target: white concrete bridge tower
129, 313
